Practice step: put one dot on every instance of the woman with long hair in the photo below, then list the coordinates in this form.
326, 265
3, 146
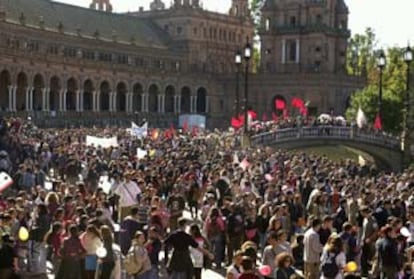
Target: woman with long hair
141, 254
333, 253
197, 255
284, 263
54, 240
72, 253
107, 263
91, 241
262, 221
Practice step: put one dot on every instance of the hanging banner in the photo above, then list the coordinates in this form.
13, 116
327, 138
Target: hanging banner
102, 142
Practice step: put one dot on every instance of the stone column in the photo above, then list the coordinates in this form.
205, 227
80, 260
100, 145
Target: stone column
195, 104
10, 88
14, 98
159, 99
44, 95
98, 101
127, 102
65, 92
283, 51
175, 104
191, 104
93, 100
31, 98
207, 104
77, 100
147, 102
47, 99
179, 104
81, 95
114, 104
131, 102
142, 102
27, 99
297, 51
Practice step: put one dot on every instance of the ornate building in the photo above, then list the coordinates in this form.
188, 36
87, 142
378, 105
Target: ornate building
59, 61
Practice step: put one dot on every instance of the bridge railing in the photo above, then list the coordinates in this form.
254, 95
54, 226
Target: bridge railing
326, 132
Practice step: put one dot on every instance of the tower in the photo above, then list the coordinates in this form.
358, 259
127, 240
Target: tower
157, 5
239, 8
101, 5
304, 36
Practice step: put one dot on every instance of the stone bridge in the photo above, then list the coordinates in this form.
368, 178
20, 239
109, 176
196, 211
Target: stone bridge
384, 148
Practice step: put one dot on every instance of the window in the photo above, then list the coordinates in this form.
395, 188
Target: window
195, 31
88, 54
105, 57
53, 49
177, 66
342, 24
179, 30
69, 52
267, 24
292, 51
292, 21
317, 66
139, 62
123, 59
318, 49
33, 46
166, 28
319, 19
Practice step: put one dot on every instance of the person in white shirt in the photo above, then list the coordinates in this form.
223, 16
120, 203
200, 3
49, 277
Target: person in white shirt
129, 193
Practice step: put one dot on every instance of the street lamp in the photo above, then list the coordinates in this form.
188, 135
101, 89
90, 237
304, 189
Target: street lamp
408, 58
247, 56
238, 61
382, 61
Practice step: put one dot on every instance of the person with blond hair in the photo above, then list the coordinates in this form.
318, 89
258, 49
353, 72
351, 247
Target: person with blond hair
333, 259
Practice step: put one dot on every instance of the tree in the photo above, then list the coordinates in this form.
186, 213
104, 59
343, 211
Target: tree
255, 10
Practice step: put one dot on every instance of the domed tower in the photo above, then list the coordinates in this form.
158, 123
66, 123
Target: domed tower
157, 5
304, 35
101, 5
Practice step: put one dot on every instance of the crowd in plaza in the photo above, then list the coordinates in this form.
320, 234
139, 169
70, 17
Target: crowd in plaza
201, 200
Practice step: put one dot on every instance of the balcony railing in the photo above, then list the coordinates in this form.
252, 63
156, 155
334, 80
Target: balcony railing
327, 132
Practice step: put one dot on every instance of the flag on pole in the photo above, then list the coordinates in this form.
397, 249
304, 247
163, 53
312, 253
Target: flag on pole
361, 119
280, 104
236, 123
378, 122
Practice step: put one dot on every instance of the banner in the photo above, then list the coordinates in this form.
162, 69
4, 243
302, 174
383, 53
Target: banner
5, 181
191, 120
137, 131
102, 142
141, 153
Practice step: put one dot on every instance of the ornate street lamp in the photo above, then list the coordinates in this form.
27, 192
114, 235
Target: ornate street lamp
408, 58
237, 61
247, 56
382, 61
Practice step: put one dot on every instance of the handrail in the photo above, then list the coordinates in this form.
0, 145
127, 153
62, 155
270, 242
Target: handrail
327, 132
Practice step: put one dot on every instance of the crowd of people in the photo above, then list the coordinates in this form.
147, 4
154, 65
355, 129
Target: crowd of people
193, 202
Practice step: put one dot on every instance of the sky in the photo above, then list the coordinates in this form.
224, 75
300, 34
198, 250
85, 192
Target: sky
392, 21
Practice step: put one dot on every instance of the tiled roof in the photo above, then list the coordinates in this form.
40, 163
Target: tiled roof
144, 32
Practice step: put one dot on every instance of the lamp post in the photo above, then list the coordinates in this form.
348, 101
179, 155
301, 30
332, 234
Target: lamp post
238, 61
381, 65
408, 58
247, 56
407, 138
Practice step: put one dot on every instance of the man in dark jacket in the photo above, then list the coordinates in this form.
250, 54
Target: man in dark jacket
389, 258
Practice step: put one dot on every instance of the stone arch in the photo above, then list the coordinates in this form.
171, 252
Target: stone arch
55, 88
121, 96
137, 97
105, 90
38, 86
5, 82
72, 88
277, 102
153, 92
201, 105
88, 89
22, 83
186, 99
169, 99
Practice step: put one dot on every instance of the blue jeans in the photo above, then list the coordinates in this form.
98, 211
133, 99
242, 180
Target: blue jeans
217, 246
37, 257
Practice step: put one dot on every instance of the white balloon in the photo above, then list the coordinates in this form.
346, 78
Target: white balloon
405, 232
101, 252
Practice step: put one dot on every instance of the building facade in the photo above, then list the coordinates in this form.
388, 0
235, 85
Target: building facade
60, 61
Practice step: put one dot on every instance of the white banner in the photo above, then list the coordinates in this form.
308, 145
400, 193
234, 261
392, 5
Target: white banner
141, 153
102, 142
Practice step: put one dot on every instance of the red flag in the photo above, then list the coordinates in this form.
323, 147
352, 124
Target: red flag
378, 122
236, 123
280, 104
185, 125
298, 103
274, 117
264, 117
168, 134
252, 114
172, 129
285, 114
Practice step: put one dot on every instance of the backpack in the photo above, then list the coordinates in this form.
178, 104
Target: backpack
329, 267
131, 264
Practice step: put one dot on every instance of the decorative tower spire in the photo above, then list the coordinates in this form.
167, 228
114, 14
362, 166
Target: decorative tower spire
239, 8
101, 5
157, 5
